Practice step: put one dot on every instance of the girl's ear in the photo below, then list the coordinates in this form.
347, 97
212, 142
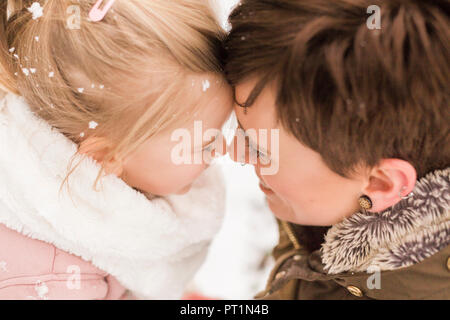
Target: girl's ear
388, 182
97, 148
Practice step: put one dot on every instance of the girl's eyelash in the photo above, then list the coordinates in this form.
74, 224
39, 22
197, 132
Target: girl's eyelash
208, 147
211, 145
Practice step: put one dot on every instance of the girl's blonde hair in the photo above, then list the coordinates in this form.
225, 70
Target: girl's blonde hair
127, 72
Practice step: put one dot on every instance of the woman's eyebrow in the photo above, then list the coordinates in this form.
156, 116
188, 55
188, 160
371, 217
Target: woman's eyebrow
242, 105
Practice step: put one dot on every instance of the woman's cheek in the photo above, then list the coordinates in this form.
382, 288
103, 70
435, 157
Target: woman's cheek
284, 189
280, 208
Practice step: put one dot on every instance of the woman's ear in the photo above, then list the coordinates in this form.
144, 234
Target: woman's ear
97, 148
388, 182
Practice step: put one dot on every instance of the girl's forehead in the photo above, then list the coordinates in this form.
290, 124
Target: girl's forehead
208, 101
206, 93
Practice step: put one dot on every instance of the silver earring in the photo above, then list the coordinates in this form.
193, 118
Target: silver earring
404, 197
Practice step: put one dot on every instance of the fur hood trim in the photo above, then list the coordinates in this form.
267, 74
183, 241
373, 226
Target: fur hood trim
406, 234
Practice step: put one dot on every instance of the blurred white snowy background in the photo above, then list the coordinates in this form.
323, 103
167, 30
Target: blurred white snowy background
239, 262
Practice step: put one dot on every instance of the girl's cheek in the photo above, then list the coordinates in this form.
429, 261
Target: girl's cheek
190, 173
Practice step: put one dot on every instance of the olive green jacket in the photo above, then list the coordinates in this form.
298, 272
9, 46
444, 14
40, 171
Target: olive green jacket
401, 253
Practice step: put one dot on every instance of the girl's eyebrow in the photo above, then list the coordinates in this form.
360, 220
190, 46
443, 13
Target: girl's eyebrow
213, 139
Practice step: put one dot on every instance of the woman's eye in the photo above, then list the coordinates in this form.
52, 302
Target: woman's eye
254, 151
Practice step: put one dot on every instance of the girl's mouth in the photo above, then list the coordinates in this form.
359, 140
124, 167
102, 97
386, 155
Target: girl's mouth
185, 190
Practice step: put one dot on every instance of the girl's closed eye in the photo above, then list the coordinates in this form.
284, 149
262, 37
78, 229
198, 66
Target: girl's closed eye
212, 149
217, 147
209, 146
208, 152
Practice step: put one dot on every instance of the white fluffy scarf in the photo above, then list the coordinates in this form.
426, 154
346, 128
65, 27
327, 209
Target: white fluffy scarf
153, 247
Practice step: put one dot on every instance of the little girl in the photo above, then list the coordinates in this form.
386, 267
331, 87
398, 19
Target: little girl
94, 101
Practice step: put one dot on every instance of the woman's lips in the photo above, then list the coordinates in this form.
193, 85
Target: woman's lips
264, 188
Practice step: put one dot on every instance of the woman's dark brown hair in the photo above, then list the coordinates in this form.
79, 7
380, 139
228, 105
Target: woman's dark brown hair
353, 94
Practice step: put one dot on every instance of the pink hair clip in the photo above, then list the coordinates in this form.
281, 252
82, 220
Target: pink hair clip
96, 14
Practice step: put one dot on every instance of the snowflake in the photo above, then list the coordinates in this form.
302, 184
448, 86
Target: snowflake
3, 266
206, 85
36, 10
93, 125
41, 289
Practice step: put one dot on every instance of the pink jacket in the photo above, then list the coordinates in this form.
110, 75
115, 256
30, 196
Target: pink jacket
33, 269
